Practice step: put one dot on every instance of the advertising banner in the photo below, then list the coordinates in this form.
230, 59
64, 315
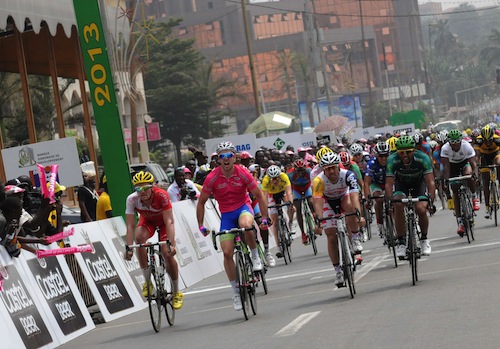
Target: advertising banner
22, 160
241, 142
280, 142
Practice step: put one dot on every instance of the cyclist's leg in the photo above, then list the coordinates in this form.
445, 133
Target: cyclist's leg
297, 202
376, 190
352, 226
143, 232
273, 214
485, 174
170, 262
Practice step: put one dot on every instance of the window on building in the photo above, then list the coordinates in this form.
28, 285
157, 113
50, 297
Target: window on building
383, 12
210, 5
385, 31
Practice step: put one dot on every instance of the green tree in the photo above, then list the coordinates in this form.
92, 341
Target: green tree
444, 41
491, 53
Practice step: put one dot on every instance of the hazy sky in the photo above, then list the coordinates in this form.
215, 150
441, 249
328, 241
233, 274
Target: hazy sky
454, 3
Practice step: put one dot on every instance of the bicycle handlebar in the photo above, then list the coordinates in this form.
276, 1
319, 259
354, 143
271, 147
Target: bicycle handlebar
337, 216
281, 205
488, 166
406, 200
459, 178
150, 244
371, 197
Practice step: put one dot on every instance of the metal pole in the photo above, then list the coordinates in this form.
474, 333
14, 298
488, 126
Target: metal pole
250, 59
352, 90
368, 83
456, 104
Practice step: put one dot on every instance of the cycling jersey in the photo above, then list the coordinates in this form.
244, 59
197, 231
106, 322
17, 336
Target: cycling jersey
485, 147
150, 216
347, 183
300, 181
354, 168
316, 171
466, 151
375, 171
411, 174
272, 188
230, 193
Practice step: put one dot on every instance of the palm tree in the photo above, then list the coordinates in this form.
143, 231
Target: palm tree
444, 41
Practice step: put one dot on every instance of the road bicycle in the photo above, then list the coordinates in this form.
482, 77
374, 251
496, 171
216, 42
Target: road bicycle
389, 231
466, 209
346, 251
493, 202
160, 286
368, 215
261, 275
284, 234
439, 182
246, 279
309, 224
412, 232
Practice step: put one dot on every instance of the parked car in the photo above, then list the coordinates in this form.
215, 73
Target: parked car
448, 125
161, 178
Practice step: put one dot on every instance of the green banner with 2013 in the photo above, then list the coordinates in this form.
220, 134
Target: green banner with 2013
102, 92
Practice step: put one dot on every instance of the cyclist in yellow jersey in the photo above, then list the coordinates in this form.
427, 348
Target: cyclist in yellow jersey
276, 185
487, 148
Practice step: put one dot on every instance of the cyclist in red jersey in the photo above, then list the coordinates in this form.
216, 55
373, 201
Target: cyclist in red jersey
155, 210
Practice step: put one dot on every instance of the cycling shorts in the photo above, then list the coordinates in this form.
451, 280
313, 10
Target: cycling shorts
330, 208
456, 168
151, 228
418, 189
298, 195
230, 220
376, 187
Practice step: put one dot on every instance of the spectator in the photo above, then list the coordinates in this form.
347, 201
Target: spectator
87, 198
182, 188
103, 207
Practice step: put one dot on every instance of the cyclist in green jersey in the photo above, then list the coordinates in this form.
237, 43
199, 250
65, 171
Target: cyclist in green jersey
410, 170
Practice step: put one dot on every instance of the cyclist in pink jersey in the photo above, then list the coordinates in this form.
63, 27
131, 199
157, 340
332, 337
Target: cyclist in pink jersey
155, 210
229, 185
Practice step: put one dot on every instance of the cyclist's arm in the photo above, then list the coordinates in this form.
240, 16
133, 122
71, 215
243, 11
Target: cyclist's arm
389, 183
288, 193
473, 165
431, 188
168, 220
318, 201
446, 163
366, 187
262, 200
200, 207
130, 224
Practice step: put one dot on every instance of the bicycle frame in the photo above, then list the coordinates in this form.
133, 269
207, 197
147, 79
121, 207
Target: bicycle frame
464, 199
284, 236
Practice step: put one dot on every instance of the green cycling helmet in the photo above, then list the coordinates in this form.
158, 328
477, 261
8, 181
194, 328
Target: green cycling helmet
454, 135
405, 142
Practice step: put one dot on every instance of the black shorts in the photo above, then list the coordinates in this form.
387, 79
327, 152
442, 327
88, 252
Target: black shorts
456, 168
417, 189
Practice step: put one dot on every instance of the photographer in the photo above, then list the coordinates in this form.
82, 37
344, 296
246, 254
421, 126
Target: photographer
182, 188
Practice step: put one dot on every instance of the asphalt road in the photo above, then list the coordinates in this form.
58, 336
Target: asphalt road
455, 303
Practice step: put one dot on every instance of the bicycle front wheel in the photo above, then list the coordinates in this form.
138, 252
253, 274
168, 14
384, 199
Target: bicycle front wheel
250, 286
368, 218
154, 298
262, 274
412, 250
241, 282
169, 300
310, 230
466, 212
494, 200
390, 238
347, 264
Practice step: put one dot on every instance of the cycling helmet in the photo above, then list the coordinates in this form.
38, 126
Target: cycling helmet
475, 133
418, 138
454, 135
487, 132
468, 131
433, 144
392, 143
273, 171
245, 155
381, 148
142, 177
356, 149
362, 140
378, 137
329, 159
345, 158
225, 146
322, 152
493, 126
405, 142
442, 137
299, 163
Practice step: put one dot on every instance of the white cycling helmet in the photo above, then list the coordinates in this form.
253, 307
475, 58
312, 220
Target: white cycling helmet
442, 137
273, 171
381, 148
329, 159
225, 146
356, 149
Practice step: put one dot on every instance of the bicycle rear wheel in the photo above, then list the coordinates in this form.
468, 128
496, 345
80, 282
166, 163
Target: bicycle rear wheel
368, 217
390, 238
465, 213
283, 243
241, 282
310, 230
494, 200
288, 242
347, 265
412, 250
250, 286
154, 297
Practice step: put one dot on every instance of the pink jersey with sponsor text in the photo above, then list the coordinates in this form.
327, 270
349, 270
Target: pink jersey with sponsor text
230, 193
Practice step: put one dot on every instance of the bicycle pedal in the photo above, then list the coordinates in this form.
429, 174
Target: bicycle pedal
340, 285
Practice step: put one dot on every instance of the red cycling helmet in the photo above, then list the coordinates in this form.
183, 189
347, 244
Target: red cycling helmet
245, 155
299, 163
345, 158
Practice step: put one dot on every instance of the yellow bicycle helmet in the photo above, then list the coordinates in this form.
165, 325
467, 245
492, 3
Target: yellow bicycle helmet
321, 152
143, 177
392, 143
487, 132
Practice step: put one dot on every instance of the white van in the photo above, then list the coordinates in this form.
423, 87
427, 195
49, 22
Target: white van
448, 125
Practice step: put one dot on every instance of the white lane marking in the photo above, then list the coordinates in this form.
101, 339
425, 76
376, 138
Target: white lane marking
296, 324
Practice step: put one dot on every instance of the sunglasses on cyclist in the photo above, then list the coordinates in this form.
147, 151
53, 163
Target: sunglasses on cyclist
143, 188
406, 151
383, 155
456, 141
226, 156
